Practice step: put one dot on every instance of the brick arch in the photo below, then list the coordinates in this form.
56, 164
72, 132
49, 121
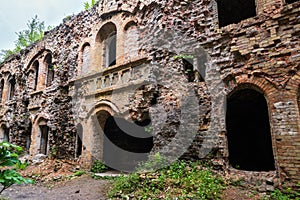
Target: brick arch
39, 135
104, 105
257, 83
34, 55
262, 86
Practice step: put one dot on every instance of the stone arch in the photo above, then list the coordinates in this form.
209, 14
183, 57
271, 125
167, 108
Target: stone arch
248, 129
110, 138
40, 136
4, 133
107, 40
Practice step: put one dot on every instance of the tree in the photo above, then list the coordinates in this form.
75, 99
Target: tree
34, 32
88, 5
9, 162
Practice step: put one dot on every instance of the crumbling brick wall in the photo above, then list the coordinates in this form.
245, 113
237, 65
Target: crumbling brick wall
261, 52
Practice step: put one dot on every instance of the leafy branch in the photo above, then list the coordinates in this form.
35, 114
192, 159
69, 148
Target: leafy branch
88, 5
9, 162
34, 32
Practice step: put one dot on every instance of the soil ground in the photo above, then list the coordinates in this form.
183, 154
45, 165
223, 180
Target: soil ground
79, 188
55, 180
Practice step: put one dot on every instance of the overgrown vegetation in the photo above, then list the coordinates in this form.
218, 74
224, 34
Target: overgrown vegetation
9, 163
34, 32
286, 194
88, 5
98, 167
180, 180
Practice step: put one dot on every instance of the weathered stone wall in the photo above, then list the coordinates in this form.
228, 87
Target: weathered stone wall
150, 79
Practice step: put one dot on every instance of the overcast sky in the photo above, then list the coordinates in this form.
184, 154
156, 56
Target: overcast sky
14, 15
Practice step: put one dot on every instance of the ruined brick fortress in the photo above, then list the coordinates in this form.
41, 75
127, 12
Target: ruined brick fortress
202, 79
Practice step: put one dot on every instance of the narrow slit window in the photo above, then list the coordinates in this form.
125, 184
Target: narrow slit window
50, 70
11, 91
1, 89
36, 74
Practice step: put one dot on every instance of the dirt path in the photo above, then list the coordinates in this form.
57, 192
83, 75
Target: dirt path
80, 188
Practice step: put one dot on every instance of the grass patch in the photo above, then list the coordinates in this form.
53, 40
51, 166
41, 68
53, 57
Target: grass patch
181, 180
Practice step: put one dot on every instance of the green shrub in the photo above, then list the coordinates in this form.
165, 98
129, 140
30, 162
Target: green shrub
181, 180
98, 167
9, 162
286, 194
153, 163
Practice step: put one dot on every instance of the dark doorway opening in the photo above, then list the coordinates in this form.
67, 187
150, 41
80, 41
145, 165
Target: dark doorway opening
125, 143
234, 11
79, 140
28, 136
248, 131
44, 139
290, 1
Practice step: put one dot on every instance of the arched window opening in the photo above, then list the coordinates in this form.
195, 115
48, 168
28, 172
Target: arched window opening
85, 59
36, 74
5, 134
79, 136
234, 11
44, 135
248, 131
11, 88
111, 50
1, 89
50, 70
108, 39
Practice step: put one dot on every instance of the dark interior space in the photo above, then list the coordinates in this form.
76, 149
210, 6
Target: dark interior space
28, 136
234, 11
79, 140
248, 131
125, 143
44, 139
290, 1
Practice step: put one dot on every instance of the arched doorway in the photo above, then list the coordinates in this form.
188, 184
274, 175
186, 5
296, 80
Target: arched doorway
125, 143
248, 131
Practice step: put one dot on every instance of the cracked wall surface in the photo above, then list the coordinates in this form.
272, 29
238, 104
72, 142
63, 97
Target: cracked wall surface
155, 41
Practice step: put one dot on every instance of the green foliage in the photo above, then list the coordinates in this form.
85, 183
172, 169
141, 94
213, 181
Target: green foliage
9, 162
181, 180
153, 163
98, 167
183, 56
286, 194
79, 173
88, 5
34, 32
